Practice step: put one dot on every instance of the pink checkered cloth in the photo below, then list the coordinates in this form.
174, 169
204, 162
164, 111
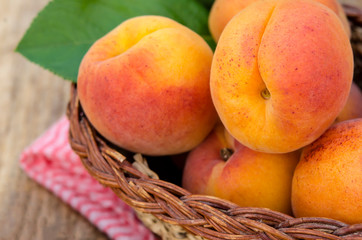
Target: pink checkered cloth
51, 162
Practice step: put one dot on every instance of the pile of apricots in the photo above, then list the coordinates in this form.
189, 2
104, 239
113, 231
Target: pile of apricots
271, 118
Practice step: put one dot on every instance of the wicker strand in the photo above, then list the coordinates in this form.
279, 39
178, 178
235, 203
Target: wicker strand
174, 213
196, 215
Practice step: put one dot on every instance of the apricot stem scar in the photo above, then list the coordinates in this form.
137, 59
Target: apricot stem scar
226, 153
265, 94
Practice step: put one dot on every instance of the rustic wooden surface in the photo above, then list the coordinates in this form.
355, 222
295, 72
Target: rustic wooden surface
31, 99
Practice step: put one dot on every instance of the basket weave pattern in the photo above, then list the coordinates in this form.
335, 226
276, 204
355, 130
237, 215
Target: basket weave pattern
174, 213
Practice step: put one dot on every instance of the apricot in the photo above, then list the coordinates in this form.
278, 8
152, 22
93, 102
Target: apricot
353, 107
222, 11
336, 7
145, 86
222, 167
281, 74
328, 179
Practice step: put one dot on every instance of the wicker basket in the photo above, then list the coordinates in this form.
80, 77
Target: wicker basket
172, 212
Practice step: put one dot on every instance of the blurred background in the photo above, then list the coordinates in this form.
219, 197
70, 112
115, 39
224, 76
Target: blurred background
31, 99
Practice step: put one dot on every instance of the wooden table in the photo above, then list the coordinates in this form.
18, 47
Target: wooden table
31, 99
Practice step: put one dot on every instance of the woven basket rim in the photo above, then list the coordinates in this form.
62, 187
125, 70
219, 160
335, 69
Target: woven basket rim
200, 215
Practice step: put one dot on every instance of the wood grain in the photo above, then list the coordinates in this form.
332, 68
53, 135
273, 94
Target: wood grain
31, 99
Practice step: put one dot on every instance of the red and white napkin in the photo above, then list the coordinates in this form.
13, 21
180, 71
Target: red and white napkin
51, 162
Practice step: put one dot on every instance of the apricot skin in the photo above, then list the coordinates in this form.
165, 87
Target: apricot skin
328, 178
248, 178
145, 86
223, 11
289, 50
353, 107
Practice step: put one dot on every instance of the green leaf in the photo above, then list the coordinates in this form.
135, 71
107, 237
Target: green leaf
207, 3
64, 30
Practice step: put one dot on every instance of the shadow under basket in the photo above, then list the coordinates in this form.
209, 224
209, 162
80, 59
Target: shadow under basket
172, 212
